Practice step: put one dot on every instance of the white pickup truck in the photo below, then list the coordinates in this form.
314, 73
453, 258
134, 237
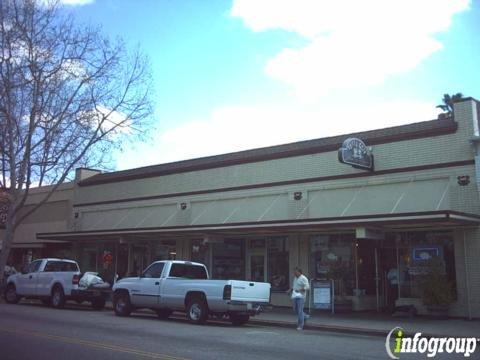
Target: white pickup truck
53, 281
167, 286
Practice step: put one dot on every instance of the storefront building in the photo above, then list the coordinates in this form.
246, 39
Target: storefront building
411, 194
53, 216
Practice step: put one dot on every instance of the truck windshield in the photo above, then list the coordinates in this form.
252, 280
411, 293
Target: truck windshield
188, 271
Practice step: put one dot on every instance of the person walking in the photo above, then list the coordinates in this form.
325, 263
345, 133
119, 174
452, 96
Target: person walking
298, 293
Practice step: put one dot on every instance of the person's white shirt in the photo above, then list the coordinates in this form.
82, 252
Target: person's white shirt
299, 283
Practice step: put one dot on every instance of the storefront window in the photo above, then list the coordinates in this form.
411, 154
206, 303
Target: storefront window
331, 257
200, 252
277, 263
140, 255
89, 258
414, 251
107, 261
228, 259
164, 250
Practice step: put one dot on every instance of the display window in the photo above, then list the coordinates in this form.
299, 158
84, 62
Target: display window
411, 253
278, 263
228, 259
332, 258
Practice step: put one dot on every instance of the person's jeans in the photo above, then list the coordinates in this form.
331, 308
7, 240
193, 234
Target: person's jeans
298, 305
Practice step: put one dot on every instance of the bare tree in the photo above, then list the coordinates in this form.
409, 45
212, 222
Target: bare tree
67, 96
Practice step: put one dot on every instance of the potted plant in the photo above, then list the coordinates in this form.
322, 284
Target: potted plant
437, 291
338, 272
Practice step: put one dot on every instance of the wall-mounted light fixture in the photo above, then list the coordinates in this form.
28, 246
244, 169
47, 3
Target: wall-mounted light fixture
183, 205
297, 195
463, 180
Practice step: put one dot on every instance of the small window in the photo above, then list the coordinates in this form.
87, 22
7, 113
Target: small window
154, 271
34, 266
50, 267
68, 266
188, 271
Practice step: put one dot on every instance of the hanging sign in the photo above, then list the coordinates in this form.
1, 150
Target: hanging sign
354, 152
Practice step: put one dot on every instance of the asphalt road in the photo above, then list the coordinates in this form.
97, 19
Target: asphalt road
33, 331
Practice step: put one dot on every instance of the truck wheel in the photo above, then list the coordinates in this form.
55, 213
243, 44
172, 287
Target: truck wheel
197, 311
163, 313
121, 304
11, 295
98, 303
239, 319
58, 297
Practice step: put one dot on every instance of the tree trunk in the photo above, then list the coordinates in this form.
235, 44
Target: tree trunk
7, 240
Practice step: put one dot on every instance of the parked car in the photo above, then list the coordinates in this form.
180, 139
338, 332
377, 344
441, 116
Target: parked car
167, 286
53, 281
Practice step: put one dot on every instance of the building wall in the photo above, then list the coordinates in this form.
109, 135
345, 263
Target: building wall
438, 188
54, 215
438, 149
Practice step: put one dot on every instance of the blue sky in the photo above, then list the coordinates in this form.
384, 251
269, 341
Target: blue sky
236, 74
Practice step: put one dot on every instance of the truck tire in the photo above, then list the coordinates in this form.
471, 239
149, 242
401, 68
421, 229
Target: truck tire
197, 311
11, 295
58, 297
98, 303
163, 313
239, 319
121, 304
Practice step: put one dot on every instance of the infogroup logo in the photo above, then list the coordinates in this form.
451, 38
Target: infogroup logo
397, 343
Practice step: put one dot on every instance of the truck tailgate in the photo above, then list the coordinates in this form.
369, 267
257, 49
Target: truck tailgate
250, 291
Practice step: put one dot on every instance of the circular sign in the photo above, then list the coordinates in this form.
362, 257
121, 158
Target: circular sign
107, 258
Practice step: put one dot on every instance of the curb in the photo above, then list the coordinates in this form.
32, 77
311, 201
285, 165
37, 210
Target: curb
319, 327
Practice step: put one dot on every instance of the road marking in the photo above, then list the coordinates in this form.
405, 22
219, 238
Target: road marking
255, 332
93, 344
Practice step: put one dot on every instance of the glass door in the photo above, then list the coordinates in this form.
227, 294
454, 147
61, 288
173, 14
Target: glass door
256, 260
257, 268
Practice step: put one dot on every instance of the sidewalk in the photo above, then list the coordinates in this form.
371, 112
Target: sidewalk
371, 323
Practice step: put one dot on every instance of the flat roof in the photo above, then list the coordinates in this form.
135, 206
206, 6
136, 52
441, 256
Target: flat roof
372, 137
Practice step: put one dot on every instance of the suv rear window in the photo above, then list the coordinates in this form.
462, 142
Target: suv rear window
56, 266
188, 271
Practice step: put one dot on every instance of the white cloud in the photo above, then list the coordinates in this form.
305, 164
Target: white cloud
234, 128
352, 44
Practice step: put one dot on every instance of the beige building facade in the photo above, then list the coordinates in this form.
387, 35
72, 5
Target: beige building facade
53, 216
257, 214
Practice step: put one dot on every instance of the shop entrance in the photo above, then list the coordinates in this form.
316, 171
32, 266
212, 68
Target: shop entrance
389, 265
369, 279
256, 260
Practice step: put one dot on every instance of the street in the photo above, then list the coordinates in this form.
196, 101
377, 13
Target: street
33, 331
